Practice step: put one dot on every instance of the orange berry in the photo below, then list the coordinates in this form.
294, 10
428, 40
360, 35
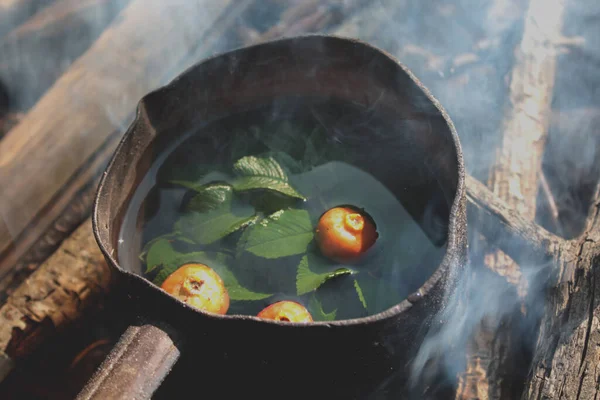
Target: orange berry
199, 286
287, 311
344, 234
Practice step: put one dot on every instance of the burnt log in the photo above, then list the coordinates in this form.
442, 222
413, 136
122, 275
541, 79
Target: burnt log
494, 349
567, 352
72, 280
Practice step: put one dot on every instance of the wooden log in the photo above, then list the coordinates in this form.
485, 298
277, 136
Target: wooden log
567, 351
14, 12
507, 229
80, 116
69, 282
514, 178
36, 53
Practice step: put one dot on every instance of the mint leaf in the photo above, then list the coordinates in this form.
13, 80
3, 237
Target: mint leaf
271, 202
207, 228
210, 197
361, 297
148, 246
158, 253
262, 173
214, 214
316, 310
161, 252
281, 234
235, 290
308, 281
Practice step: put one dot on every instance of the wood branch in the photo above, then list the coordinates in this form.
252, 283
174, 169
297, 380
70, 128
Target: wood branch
36, 53
514, 178
69, 282
509, 230
95, 97
567, 351
14, 12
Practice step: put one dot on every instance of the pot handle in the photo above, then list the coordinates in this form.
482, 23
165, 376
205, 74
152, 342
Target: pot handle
135, 367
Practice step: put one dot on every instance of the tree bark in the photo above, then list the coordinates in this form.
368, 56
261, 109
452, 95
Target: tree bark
567, 352
68, 283
494, 361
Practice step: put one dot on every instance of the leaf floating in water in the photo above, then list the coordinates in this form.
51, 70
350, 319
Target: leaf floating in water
207, 228
262, 173
284, 233
213, 215
210, 197
160, 252
308, 281
270, 202
359, 291
316, 310
236, 291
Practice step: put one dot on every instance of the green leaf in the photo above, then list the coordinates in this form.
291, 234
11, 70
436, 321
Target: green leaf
210, 197
284, 233
361, 297
308, 281
207, 228
271, 202
160, 253
236, 291
262, 173
147, 246
316, 310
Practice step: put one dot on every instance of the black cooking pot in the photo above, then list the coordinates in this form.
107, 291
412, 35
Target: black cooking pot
235, 356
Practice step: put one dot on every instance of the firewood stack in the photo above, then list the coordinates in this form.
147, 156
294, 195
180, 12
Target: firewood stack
72, 72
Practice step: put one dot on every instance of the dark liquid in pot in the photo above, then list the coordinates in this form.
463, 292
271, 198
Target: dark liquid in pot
331, 156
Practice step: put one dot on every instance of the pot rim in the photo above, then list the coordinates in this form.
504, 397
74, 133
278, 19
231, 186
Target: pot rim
452, 247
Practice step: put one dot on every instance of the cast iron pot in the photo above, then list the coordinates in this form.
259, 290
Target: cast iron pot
234, 356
